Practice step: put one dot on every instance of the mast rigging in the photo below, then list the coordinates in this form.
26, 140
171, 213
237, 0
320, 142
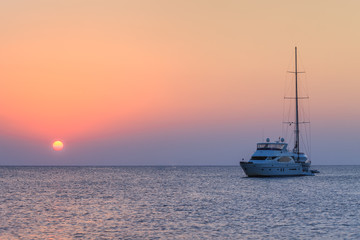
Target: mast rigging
297, 137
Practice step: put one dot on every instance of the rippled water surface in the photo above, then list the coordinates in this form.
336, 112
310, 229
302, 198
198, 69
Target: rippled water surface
177, 203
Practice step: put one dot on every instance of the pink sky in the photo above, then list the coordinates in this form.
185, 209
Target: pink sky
104, 71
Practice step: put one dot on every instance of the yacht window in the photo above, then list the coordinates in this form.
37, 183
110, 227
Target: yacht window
270, 146
258, 158
284, 159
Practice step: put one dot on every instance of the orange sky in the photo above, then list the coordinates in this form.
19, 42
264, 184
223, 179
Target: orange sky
73, 69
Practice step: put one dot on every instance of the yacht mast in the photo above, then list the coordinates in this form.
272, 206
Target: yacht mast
297, 137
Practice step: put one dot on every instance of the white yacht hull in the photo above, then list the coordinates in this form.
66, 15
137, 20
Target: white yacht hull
274, 169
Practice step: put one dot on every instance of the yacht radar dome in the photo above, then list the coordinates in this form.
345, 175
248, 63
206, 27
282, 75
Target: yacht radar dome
282, 139
268, 140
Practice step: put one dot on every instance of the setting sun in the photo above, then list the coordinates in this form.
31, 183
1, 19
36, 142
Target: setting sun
58, 145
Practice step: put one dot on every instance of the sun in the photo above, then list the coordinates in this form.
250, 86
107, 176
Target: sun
58, 145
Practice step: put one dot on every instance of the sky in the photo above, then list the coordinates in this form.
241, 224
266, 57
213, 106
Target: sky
173, 82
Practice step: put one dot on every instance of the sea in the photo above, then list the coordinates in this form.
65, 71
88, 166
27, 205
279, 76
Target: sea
177, 203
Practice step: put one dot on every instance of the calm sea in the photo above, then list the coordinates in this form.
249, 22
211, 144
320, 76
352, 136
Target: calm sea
177, 203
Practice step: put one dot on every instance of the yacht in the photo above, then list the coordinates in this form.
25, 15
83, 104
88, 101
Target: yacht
274, 159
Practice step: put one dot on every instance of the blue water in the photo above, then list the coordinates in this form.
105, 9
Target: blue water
177, 203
